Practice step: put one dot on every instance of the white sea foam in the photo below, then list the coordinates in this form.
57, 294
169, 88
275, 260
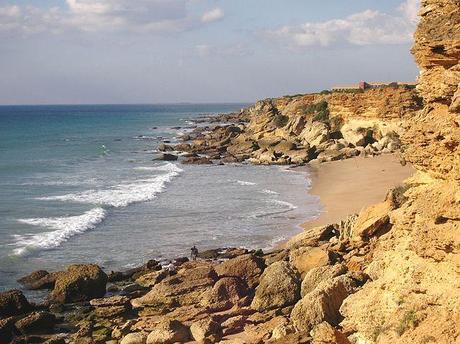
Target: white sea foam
65, 228
244, 183
269, 192
281, 208
124, 194
168, 167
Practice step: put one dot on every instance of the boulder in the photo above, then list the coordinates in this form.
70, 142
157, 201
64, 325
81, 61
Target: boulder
169, 332
320, 274
111, 306
206, 330
165, 148
26, 281
306, 258
279, 287
81, 282
322, 304
197, 161
189, 286
134, 338
284, 146
312, 237
372, 221
46, 282
36, 322
248, 267
314, 134
7, 328
183, 147
227, 292
167, 157
13, 302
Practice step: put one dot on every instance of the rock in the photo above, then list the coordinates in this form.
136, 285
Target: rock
247, 267
169, 332
197, 161
7, 328
234, 325
279, 287
320, 274
190, 285
150, 279
167, 157
315, 134
306, 258
357, 135
111, 306
79, 283
312, 237
322, 304
46, 282
282, 331
372, 221
36, 322
183, 147
134, 338
324, 333
227, 292
165, 148
206, 330
13, 302
32, 278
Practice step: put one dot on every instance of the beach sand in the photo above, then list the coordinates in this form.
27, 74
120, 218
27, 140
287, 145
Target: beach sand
347, 186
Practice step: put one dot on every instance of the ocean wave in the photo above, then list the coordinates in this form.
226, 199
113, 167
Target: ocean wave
168, 167
269, 192
283, 207
122, 195
244, 183
65, 228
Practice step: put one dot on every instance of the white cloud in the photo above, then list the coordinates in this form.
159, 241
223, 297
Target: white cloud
212, 15
363, 28
106, 15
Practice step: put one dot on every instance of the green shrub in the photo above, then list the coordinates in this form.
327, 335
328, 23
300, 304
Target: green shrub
410, 320
280, 120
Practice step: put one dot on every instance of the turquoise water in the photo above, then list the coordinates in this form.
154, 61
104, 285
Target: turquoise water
78, 184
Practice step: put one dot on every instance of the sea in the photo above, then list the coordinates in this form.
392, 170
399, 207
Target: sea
79, 184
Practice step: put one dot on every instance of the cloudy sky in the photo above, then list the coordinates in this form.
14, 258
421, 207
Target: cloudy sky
154, 51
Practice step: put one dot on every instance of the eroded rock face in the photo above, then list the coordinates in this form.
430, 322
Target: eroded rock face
279, 287
306, 258
79, 283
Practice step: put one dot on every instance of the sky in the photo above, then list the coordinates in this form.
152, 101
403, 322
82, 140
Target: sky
170, 51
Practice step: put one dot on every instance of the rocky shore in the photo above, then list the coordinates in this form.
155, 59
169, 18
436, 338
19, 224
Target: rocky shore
388, 274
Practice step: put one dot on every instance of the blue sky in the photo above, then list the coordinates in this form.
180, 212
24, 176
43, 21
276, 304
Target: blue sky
153, 51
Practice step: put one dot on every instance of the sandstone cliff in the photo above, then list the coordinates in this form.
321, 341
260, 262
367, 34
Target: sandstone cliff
414, 295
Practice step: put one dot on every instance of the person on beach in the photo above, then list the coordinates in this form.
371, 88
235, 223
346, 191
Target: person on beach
193, 253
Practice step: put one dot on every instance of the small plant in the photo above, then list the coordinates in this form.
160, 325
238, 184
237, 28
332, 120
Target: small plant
428, 339
280, 120
398, 195
410, 320
379, 330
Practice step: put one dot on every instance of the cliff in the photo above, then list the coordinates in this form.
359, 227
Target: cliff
414, 292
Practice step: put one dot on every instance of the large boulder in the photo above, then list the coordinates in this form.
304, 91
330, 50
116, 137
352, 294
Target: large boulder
36, 322
32, 278
168, 332
80, 282
312, 237
315, 134
279, 287
190, 285
306, 258
320, 274
109, 307
13, 302
371, 221
322, 304
248, 267
324, 333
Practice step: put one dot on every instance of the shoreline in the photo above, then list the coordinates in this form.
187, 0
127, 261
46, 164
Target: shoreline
345, 187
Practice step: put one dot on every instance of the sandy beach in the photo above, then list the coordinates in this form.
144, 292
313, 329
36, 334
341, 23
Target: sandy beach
347, 186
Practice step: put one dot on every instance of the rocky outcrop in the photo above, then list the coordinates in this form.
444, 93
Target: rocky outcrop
12, 303
79, 283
